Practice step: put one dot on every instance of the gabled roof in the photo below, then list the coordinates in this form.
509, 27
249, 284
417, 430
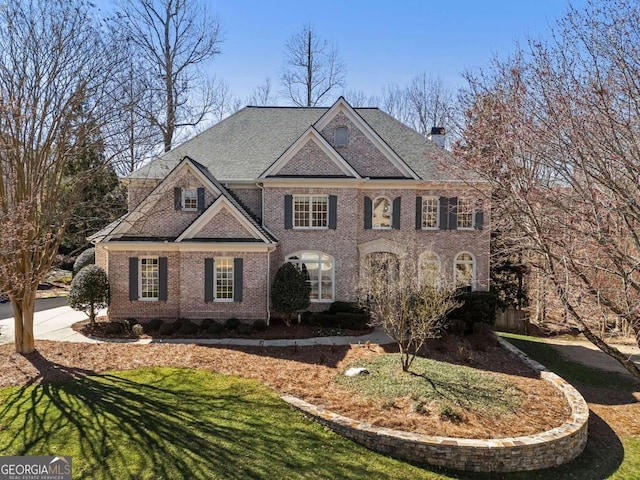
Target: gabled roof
119, 228
244, 145
311, 135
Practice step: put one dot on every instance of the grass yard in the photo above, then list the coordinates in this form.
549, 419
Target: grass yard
450, 389
164, 423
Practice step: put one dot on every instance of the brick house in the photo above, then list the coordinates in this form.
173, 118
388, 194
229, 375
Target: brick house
210, 222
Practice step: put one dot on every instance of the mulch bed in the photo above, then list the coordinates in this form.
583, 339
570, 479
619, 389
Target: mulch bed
307, 372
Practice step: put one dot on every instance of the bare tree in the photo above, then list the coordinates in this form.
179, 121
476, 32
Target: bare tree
174, 38
358, 98
555, 130
53, 100
408, 311
429, 101
394, 102
262, 95
312, 68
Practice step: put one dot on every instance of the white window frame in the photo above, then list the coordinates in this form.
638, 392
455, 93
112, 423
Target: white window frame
189, 195
471, 262
309, 198
373, 213
434, 260
468, 212
336, 143
424, 213
141, 272
321, 258
228, 277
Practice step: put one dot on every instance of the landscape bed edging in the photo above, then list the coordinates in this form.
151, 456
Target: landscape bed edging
542, 450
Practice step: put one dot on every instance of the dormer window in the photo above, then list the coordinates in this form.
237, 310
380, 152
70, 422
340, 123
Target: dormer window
189, 199
341, 137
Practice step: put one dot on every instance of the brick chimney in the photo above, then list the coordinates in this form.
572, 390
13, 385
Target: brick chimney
437, 136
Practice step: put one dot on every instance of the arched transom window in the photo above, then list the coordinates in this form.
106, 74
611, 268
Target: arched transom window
320, 270
429, 272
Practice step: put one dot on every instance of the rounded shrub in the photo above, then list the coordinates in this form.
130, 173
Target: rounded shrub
188, 328
215, 328
113, 328
90, 291
167, 328
152, 325
137, 329
244, 329
231, 323
88, 257
204, 324
259, 325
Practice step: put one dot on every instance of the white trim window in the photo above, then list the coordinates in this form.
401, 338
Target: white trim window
149, 278
320, 271
430, 213
310, 211
465, 271
465, 214
190, 199
381, 213
429, 272
224, 280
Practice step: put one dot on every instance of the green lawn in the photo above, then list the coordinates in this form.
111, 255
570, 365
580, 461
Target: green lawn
171, 424
451, 386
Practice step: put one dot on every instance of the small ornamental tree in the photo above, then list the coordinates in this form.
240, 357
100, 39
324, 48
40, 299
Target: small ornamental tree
88, 257
90, 291
408, 311
289, 291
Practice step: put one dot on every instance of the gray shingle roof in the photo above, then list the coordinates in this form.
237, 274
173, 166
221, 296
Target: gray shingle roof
245, 144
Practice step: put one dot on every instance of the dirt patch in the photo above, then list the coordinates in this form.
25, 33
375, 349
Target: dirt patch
308, 373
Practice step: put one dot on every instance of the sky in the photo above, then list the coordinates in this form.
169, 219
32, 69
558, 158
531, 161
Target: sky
379, 41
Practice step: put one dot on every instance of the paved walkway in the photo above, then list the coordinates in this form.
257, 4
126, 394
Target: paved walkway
55, 324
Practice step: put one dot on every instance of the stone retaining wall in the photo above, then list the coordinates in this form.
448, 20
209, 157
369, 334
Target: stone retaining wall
543, 450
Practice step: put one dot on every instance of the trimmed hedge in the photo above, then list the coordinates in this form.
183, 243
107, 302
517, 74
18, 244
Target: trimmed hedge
215, 328
259, 325
346, 321
88, 257
188, 328
167, 328
232, 323
244, 329
152, 326
477, 307
345, 307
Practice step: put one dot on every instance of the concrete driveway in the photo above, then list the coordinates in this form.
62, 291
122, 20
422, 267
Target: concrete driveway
51, 322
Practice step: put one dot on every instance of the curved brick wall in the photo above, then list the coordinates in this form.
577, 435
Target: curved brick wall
543, 450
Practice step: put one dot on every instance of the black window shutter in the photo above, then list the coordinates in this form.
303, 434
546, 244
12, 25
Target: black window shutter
209, 265
177, 198
163, 278
133, 278
201, 199
395, 220
333, 212
479, 223
237, 279
453, 213
444, 213
418, 213
368, 213
288, 211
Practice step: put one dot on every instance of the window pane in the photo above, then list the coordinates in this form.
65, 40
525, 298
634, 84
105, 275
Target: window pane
318, 268
430, 212
149, 278
381, 213
310, 211
465, 213
190, 199
224, 278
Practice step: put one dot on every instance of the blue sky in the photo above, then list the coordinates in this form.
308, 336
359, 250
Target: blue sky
379, 41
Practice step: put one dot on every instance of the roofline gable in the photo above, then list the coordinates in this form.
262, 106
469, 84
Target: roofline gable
341, 105
311, 134
208, 215
152, 198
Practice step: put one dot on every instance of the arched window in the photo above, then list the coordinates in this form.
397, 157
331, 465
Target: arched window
465, 271
320, 271
429, 271
382, 212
